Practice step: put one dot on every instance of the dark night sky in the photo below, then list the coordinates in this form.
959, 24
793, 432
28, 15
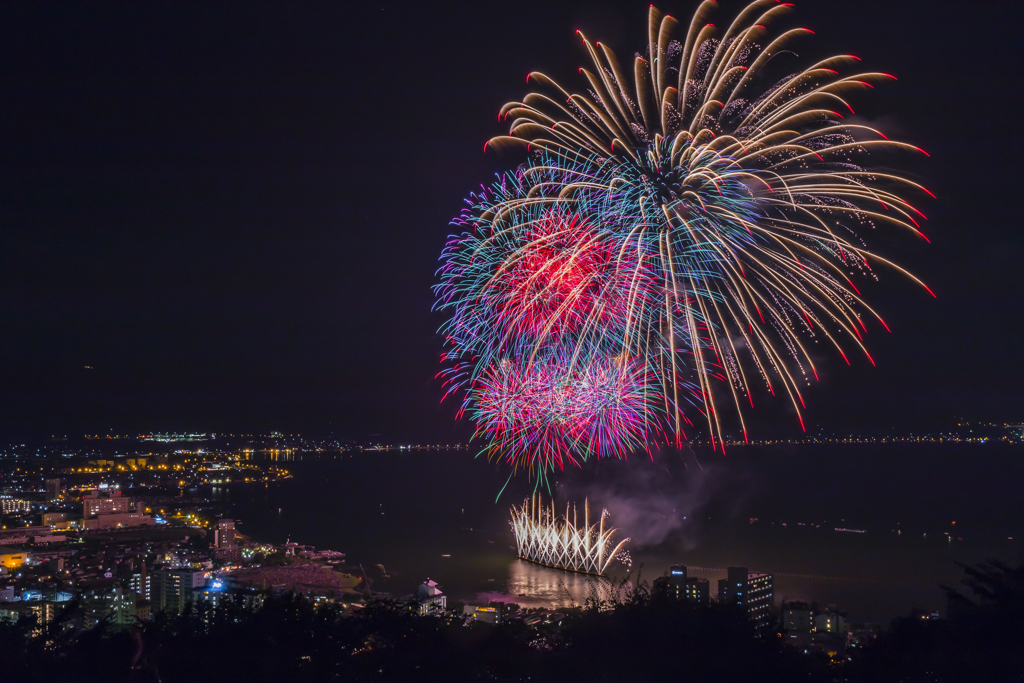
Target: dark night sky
232, 211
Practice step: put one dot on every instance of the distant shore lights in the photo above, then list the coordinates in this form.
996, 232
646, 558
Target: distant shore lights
545, 538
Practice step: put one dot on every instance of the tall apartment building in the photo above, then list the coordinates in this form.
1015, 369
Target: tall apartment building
754, 592
115, 605
141, 583
122, 607
172, 588
53, 489
224, 535
681, 586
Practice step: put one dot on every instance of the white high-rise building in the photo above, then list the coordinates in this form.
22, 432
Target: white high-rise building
431, 599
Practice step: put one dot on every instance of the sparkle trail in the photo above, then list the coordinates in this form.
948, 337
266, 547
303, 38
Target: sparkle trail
544, 538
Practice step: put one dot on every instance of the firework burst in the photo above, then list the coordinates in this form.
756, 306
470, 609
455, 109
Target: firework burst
545, 538
548, 412
680, 216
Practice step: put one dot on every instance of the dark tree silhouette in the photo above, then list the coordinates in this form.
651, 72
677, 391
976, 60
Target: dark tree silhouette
629, 632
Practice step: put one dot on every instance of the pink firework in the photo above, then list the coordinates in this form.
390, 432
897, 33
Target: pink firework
566, 277
546, 413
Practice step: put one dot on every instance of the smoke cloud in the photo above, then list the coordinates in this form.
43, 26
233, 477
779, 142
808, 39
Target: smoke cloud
652, 502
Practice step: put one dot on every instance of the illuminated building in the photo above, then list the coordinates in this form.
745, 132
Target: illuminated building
488, 615
118, 520
753, 592
683, 587
172, 588
215, 593
12, 558
122, 603
224, 535
11, 612
9, 505
52, 519
44, 611
115, 605
431, 600
797, 617
675, 582
109, 510
220, 592
829, 622
141, 583
98, 502
698, 590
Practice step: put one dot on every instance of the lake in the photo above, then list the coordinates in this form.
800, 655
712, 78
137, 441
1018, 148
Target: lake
921, 507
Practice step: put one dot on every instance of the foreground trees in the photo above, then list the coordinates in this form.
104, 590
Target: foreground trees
981, 639
639, 635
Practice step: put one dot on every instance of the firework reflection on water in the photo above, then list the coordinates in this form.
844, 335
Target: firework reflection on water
532, 585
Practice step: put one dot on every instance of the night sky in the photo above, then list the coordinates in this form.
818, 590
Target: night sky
232, 212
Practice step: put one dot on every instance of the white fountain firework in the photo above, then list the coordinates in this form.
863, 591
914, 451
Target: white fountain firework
545, 538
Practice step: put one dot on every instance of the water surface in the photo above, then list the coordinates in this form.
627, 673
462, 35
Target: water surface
433, 514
